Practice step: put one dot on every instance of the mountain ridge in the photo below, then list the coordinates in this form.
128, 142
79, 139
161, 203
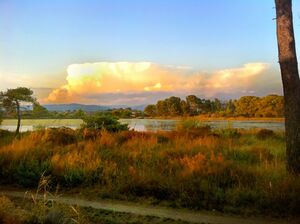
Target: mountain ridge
88, 107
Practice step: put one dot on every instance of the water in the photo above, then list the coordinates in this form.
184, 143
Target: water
35, 124
167, 125
139, 124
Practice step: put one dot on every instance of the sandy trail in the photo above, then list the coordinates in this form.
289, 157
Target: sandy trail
158, 211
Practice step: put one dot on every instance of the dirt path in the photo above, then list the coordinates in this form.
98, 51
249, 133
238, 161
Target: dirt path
158, 211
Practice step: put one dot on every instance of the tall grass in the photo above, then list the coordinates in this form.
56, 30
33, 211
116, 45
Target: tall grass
228, 170
40, 209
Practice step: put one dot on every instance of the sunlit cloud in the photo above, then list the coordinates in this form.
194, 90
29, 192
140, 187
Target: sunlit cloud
144, 82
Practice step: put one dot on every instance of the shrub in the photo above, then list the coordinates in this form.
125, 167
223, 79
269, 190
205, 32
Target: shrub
10, 214
6, 137
1, 114
152, 188
193, 128
28, 172
74, 177
242, 156
125, 136
59, 136
261, 154
162, 139
103, 121
91, 134
55, 216
265, 134
230, 133
4, 133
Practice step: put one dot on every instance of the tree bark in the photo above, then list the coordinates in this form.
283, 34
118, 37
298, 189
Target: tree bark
290, 80
19, 117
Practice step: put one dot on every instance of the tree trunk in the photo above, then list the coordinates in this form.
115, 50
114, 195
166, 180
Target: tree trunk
19, 117
291, 83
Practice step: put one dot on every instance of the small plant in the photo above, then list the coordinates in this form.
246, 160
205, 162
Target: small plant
6, 137
46, 210
74, 177
39, 127
162, 139
104, 121
188, 124
193, 127
11, 214
230, 133
28, 172
265, 134
59, 136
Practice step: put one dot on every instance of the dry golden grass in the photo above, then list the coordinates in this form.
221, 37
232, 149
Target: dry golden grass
228, 170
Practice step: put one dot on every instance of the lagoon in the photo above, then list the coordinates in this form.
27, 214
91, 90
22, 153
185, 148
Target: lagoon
141, 124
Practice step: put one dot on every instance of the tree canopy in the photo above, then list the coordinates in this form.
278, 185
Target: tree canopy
12, 98
101, 120
246, 106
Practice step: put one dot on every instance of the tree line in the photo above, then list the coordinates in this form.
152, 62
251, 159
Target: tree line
34, 110
246, 106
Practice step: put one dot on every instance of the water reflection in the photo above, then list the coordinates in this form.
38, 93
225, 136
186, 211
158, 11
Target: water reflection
168, 125
159, 125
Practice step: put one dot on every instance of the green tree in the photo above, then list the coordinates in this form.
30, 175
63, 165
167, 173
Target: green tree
101, 120
291, 82
162, 108
270, 106
38, 111
79, 114
193, 103
247, 106
206, 106
216, 105
185, 107
174, 106
12, 98
150, 110
122, 112
230, 108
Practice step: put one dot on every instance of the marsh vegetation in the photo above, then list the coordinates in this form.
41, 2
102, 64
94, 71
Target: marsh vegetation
229, 170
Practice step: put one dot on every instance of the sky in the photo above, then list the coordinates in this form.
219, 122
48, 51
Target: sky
135, 52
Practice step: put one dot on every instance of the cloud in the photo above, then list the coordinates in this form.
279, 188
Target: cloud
145, 82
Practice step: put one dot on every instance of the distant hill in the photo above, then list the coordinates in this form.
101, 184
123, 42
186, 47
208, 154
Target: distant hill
135, 107
87, 108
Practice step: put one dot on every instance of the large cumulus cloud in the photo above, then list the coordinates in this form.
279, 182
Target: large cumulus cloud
145, 82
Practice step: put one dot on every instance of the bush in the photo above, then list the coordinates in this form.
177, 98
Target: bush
9, 213
243, 156
262, 154
74, 177
265, 134
6, 137
162, 139
1, 115
59, 136
193, 128
104, 121
230, 133
28, 172
4, 133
